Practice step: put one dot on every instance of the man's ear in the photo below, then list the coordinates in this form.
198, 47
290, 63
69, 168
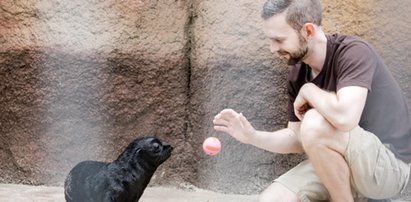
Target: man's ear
308, 30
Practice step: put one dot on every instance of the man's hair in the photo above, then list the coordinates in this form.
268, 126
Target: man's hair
298, 12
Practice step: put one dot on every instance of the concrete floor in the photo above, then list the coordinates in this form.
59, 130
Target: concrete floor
25, 193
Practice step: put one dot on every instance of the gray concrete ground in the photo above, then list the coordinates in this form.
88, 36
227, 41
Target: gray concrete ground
25, 193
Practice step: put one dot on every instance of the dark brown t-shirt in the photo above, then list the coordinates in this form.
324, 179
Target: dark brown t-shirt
351, 61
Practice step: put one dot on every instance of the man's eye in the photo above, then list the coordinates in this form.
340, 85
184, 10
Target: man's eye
277, 40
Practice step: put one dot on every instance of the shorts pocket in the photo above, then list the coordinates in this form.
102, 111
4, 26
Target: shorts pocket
381, 172
407, 167
388, 174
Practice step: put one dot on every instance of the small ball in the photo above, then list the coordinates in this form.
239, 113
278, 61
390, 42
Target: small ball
212, 146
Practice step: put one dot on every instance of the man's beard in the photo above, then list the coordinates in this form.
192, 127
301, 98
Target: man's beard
298, 55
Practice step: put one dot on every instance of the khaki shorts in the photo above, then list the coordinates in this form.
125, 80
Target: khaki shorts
375, 172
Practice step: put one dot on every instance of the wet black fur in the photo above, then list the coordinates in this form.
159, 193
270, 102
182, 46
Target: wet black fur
123, 180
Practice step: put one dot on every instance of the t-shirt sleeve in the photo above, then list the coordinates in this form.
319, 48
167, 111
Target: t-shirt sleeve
356, 66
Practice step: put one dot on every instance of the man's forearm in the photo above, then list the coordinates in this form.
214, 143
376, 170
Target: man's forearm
342, 113
323, 101
283, 141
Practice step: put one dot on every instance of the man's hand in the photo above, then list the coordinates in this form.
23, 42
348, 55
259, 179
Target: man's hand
234, 124
301, 105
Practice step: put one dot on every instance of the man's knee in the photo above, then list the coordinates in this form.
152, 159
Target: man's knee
277, 193
313, 128
317, 133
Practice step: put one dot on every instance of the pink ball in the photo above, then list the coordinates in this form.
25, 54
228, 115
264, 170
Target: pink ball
212, 146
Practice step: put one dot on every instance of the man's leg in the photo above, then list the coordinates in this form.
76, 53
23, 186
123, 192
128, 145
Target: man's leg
375, 171
278, 192
300, 183
325, 147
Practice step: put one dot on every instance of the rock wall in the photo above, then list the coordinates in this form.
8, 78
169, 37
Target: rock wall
232, 67
81, 79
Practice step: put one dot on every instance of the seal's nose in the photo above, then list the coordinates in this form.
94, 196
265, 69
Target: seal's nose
168, 147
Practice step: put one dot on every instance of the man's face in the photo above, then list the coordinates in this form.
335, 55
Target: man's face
284, 40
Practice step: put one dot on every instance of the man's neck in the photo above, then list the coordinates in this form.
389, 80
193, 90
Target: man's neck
317, 53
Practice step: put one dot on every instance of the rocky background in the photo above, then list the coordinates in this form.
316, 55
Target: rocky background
81, 79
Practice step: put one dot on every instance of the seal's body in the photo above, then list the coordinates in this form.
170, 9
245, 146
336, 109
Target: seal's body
123, 180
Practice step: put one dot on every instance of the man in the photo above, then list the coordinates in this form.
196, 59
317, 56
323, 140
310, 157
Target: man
346, 113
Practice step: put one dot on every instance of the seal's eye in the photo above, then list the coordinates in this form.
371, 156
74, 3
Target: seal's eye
156, 147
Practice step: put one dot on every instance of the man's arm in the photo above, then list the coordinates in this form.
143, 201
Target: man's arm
342, 109
282, 141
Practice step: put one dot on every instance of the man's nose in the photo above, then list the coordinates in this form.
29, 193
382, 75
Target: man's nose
274, 47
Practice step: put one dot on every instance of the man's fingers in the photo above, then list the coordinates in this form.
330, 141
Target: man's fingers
220, 121
221, 129
298, 116
227, 114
